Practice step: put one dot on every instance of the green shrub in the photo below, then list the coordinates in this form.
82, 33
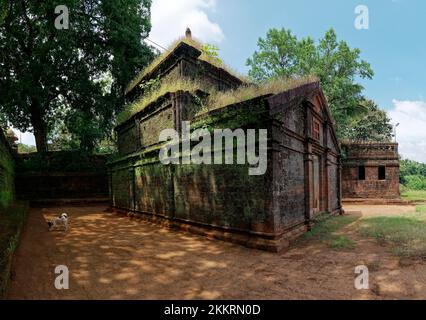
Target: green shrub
415, 182
413, 174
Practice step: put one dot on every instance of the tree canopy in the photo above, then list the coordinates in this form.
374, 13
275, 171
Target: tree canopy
76, 74
337, 66
371, 124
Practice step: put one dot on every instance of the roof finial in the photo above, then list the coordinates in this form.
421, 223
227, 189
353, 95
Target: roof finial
188, 33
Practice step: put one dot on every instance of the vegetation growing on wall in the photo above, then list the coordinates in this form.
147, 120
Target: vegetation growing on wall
6, 177
208, 54
11, 223
217, 99
169, 85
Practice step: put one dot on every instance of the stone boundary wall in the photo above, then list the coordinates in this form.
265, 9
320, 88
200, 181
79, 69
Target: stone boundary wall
92, 182
60, 185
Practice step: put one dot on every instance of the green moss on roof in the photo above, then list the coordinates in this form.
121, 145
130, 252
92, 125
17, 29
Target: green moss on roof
220, 99
204, 57
168, 85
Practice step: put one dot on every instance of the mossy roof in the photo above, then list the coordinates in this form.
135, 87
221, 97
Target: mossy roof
173, 52
216, 99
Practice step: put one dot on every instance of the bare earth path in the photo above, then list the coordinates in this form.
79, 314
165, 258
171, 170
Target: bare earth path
116, 257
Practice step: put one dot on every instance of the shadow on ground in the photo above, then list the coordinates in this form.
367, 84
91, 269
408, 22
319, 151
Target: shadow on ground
116, 257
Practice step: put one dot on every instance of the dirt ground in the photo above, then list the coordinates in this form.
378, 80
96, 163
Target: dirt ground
116, 257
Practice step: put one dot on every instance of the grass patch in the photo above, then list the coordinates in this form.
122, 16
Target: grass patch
414, 195
421, 208
325, 228
341, 243
12, 219
406, 234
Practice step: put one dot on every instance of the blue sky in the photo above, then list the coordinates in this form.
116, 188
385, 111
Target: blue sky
394, 44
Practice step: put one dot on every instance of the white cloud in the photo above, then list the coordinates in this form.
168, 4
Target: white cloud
411, 132
170, 18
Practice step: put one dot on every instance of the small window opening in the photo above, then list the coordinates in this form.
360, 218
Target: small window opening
382, 173
361, 173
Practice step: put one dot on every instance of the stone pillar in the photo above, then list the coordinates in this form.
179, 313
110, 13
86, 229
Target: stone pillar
308, 185
326, 166
308, 163
176, 105
132, 195
339, 182
138, 137
180, 104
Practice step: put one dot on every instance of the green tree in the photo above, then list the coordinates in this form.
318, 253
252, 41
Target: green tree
23, 148
3, 121
3, 9
413, 174
212, 51
44, 69
338, 67
371, 124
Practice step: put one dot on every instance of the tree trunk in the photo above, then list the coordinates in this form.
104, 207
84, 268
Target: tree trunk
40, 131
40, 137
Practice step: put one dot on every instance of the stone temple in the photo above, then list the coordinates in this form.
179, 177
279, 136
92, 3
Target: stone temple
223, 201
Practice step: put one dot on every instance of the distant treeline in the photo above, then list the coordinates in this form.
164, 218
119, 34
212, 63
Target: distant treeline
413, 174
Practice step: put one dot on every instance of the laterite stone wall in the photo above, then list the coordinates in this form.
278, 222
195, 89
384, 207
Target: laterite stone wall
370, 156
265, 210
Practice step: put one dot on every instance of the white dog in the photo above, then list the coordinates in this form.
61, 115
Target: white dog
62, 219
